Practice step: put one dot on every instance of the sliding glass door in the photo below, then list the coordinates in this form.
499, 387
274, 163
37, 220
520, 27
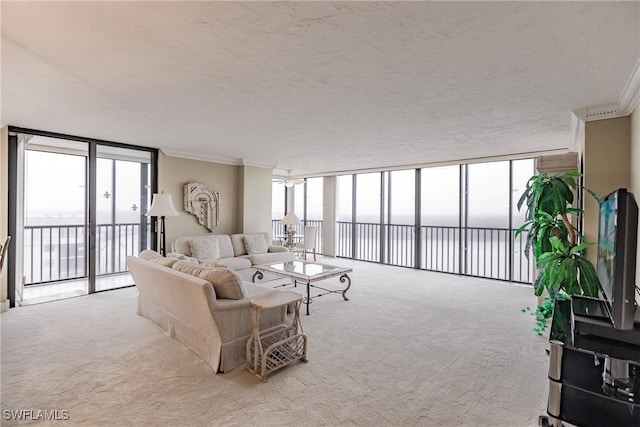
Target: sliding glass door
122, 196
55, 219
80, 213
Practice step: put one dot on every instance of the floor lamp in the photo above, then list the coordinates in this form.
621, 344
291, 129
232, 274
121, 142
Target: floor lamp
161, 206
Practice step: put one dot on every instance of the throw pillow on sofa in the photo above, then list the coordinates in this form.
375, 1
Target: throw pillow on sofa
154, 256
203, 249
188, 267
227, 283
255, 244
214, 263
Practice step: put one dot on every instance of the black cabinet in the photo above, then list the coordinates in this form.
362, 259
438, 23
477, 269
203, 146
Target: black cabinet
594, 371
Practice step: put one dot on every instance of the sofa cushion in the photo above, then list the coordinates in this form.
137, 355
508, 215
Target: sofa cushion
203, 249
255, 244
224, 243
270, 258
227, 283
235, 263
154, 256
237, 241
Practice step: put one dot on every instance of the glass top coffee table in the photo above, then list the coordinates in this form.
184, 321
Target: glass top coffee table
307, 272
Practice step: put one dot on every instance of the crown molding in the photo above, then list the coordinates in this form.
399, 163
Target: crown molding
214, 159
202, 157
628, 100
251, 163
630, 97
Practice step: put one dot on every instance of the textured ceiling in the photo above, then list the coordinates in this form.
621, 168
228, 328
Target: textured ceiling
316, 86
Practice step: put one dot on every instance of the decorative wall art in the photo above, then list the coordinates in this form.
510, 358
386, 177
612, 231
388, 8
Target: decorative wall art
202, 202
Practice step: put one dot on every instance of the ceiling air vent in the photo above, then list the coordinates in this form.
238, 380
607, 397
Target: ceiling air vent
595, 115
600, 112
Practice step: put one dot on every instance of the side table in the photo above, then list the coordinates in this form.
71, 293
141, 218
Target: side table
275, 348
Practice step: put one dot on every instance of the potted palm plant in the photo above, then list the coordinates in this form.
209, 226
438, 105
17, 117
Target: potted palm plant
558, 248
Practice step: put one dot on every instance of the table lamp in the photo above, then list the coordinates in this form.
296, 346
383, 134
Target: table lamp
161, 206
290, 220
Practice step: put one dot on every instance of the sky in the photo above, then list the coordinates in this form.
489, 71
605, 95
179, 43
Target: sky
56, 187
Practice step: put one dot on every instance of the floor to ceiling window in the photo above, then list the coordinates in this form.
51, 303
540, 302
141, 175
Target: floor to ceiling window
521, 171
278, 207
400, 214
457, 219
55, 213
487, 236
440, 219
368, 200
80, 213
305, 199
122, 196
466, 219
345, 216
313, 213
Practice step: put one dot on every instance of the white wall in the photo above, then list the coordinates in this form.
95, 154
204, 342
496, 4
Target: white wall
607, 166
245, 196
174, 173
255, 206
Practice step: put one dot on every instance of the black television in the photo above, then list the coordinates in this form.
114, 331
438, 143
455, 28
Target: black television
617, 249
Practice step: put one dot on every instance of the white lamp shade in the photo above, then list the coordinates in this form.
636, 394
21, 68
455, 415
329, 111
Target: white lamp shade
162, 205
291, 219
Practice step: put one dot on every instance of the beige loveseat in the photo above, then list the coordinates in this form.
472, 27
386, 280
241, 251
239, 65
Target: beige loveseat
190, 309
238, 252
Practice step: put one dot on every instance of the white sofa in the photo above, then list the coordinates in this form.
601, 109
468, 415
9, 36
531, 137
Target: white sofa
189, 309
234, 251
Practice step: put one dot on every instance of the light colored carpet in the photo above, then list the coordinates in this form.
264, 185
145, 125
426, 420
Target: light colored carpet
410, 348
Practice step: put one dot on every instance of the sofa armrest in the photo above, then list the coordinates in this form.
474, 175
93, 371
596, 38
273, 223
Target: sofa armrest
273, 249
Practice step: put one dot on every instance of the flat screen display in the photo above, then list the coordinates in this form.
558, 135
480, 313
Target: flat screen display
617, 249
607, 245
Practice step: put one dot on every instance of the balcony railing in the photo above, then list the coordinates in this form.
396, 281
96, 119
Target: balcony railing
486, 252
57, 252
476, 251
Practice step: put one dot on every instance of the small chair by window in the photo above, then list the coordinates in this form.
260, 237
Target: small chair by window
308, 243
